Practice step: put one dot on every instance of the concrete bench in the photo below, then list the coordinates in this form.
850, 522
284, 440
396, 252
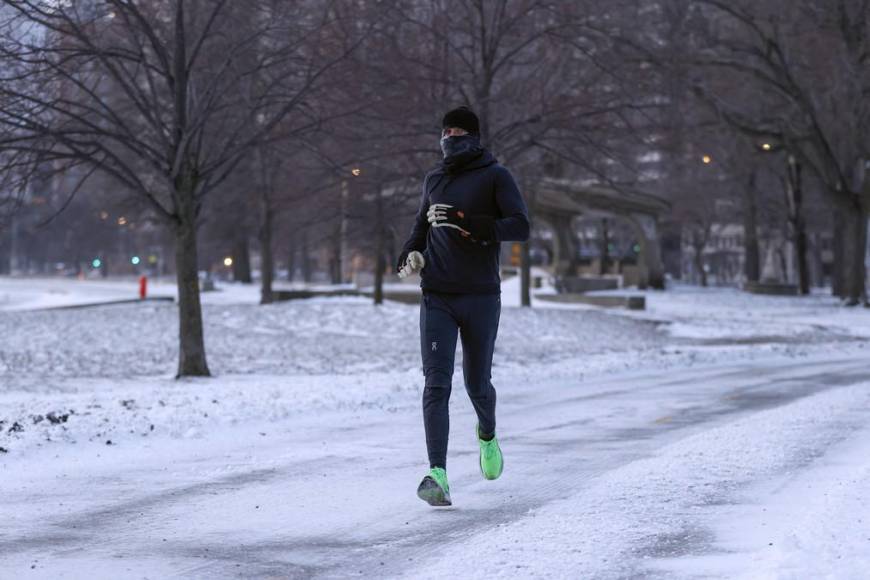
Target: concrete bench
629, 302
771, 288
281, 295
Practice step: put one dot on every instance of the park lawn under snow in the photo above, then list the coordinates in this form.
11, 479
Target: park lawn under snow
103, 374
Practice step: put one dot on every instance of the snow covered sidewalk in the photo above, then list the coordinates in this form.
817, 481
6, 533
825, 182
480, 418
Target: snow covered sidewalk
644, 473
752, 498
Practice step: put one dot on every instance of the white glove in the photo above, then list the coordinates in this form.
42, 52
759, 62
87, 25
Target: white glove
413, 264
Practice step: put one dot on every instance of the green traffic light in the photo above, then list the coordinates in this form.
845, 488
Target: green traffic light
97, 263
135, 260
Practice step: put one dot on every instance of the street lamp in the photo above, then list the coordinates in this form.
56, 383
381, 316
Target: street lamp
228, 261
343, 251
706, 159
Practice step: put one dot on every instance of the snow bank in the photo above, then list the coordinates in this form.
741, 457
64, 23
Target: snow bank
717, 314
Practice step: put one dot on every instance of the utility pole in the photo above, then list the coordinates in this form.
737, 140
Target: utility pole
344, 268
13, 247
795, 199
342, 259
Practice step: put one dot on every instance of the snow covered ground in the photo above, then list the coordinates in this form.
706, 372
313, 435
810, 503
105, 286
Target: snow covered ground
728, 314
674, 442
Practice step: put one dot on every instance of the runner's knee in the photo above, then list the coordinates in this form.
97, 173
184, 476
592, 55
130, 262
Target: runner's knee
438, 379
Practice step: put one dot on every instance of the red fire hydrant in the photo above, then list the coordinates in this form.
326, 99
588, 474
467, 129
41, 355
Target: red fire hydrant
143, 287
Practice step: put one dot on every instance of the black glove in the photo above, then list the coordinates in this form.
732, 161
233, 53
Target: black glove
481, 228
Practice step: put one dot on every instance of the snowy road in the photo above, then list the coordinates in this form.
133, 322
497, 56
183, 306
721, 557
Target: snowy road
631, 475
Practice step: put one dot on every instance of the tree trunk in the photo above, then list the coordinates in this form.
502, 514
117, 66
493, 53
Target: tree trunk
291, 255
799, 225
380, 266
267, 261
191, 358
851, 271
838, 273
380, 248
751, 260
699, 263
859, 283
783, 265
604, 264
855, 254
801, 257
818, 276
526, 275
304, 254
335, 266
242, 259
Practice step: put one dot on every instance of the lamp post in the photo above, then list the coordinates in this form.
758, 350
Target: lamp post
13, 247
344, 267
795, 215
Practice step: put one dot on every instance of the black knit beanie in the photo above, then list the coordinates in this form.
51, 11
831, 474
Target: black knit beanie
462, 118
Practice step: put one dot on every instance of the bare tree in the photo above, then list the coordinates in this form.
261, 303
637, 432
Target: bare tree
158, 96
804, 75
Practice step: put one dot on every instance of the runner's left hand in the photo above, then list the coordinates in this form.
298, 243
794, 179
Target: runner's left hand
479, 228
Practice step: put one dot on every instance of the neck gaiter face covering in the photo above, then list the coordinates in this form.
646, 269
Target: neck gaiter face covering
459, 150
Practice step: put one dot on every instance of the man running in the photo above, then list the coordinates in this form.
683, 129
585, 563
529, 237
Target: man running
470, 204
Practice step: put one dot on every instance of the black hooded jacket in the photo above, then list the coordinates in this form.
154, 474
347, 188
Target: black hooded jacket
456, 264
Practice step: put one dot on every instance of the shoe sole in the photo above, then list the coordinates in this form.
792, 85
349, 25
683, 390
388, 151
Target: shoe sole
430, 492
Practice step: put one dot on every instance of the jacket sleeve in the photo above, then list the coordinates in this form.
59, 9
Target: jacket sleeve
513, 225
417, 239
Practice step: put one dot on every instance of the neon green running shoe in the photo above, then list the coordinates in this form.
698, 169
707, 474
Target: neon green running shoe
491, 460
434, 488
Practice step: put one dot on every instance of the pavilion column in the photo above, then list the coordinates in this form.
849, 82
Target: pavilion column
649, 260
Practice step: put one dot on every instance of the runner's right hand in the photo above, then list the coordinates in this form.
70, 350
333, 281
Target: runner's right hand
412, 264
